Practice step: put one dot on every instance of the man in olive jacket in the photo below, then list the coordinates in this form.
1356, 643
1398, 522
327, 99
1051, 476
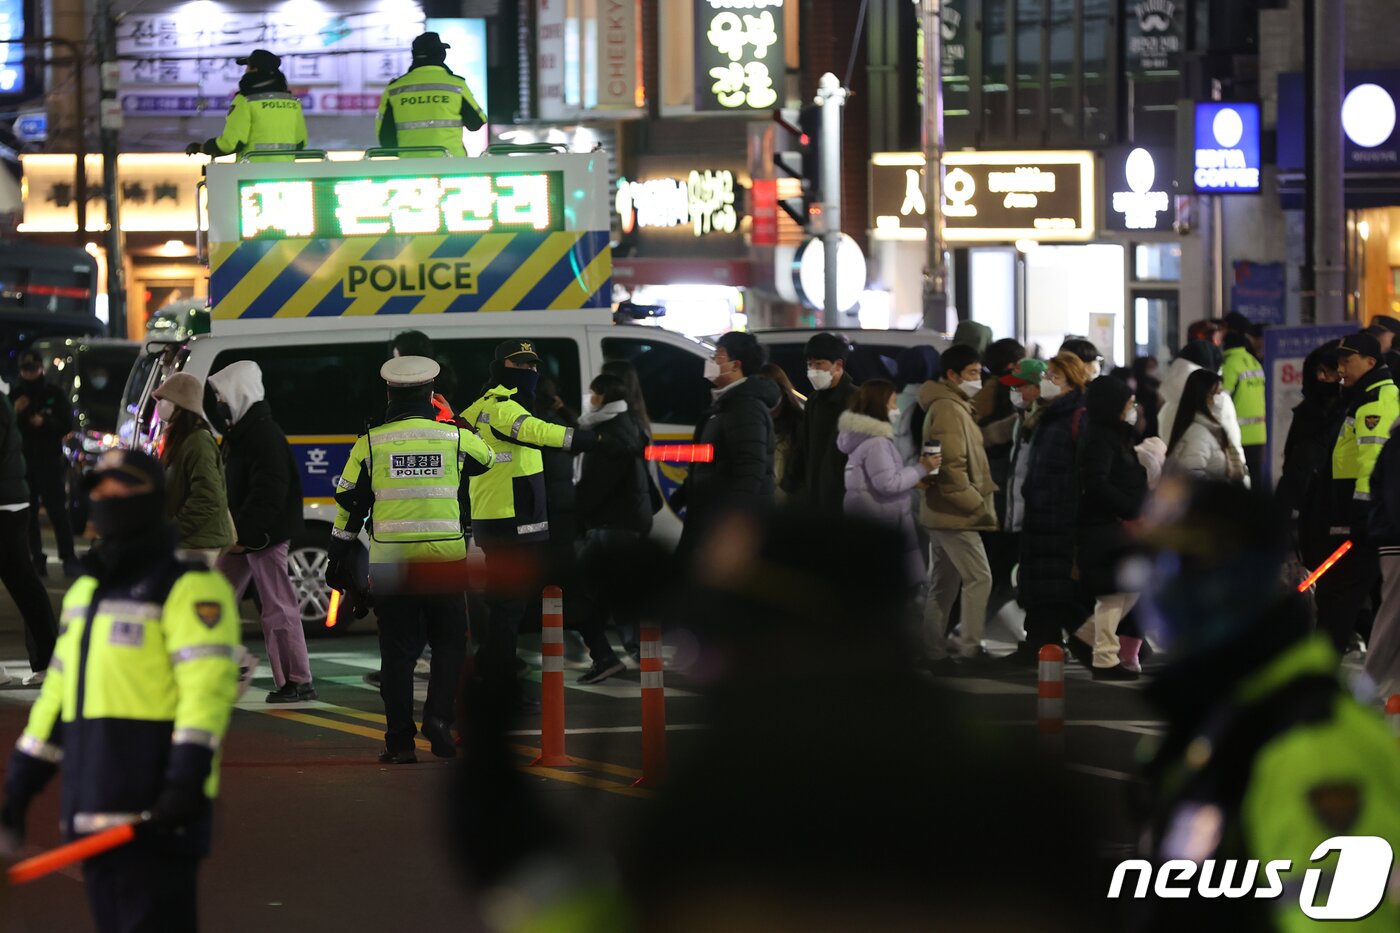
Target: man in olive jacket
816, 470
957, 507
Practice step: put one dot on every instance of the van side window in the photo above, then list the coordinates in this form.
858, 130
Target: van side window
673, 379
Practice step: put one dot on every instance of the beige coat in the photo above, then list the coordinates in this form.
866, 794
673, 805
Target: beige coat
960, 498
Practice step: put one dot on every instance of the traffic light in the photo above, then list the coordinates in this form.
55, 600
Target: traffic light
803, 163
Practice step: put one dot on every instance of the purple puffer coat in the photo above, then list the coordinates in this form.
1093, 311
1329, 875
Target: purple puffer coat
877, 482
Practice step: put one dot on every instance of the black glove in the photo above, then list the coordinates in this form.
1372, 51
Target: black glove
182, 800
339, 574
25, 778
13, 817
194, 149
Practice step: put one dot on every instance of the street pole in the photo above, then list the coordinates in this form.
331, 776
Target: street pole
1328, 206
832, 97
935, 269
109, 117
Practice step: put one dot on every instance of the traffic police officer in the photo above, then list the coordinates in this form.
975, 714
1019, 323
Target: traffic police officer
1243, 380
264, 117
1370, 405
407, 478
1266, 754
136, 702
429, 105
509, 518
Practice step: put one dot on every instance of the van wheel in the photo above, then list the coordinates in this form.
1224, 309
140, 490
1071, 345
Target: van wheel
306, 565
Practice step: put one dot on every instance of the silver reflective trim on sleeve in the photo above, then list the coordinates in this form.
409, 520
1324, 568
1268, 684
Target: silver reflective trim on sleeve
531, 529
201, 737
568, 439
418, 88
417, 434
515, 428
340, 534
430, 125
84, 823
1361, 496
1339, 530
1252, 374
417, 492
453, 527
198, 652
56, 664
343, 483
484, 418
1371, 439
277, 147
38, 748
1244, 422
1351, 422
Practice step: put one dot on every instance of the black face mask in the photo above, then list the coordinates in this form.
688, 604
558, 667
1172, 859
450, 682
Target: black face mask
125, 517
523, 381
224, 412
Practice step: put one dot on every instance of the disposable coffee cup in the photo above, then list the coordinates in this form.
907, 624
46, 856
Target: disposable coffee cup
933, 449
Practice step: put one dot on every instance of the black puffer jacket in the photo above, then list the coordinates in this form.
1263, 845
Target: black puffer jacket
614, 490
1051, 496
1112, 486
816, 470
264, 485
43, 443
13, 488
740, 427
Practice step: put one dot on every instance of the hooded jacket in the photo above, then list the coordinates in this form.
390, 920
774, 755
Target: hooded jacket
961, 497
877, 482
816, 472
739, 427
1112, 486
264, 484
1172, 387
974, 335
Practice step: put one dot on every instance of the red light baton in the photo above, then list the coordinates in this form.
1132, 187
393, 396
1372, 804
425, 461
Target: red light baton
47, 863
1326, 566
333, 615
681, 453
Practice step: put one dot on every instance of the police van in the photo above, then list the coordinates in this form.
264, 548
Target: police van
315, 266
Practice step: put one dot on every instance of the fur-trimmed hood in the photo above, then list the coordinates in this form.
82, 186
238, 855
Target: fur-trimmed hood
854, 429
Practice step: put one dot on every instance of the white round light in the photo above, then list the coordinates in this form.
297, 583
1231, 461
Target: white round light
1140, 171
809, 273
1368, 115
1228, 128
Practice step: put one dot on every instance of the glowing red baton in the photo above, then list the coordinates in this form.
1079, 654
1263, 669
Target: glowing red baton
331, 615
681, 453
1326, 566
47, 863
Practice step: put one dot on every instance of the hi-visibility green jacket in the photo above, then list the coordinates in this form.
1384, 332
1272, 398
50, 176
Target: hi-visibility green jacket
407, 477
1373, 407
141, 673
428, 106
1243, 380
264, 117
508, 504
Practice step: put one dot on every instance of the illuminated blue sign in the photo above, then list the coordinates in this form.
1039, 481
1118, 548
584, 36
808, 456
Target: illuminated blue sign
1226, 148
11, 53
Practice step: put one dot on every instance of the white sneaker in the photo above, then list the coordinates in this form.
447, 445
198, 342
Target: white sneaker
5, 677
35, 679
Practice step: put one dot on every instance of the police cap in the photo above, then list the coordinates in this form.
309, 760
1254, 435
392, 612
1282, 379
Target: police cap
521, 351
132, 468
1361, 343
429, 43
408, 371
261, 59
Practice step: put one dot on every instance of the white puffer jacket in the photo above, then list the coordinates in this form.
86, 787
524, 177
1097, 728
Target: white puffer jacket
1171, 390
1201, 453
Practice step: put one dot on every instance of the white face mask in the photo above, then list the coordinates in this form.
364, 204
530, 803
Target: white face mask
1095, 368
1217, 402
165, 409
819, 378
712, 370
1130, 418
970, 387
1018, 401
894, 416
1049, 390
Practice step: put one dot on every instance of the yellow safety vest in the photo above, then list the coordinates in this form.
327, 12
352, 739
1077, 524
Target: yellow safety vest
1243, 379
269, 121
1364, 432
414, 469
427, 106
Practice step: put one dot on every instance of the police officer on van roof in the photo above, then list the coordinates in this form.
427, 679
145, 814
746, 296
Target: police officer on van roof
264, 117
405, 481
135, 705
429, 105
510, 520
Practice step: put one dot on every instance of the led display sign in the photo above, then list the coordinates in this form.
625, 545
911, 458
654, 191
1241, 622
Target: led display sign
703, 201
739, 63
1138, 189
1226, 150
328, 208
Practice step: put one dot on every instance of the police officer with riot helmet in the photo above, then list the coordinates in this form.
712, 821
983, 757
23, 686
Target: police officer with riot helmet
405, 482
264, 117
428, 105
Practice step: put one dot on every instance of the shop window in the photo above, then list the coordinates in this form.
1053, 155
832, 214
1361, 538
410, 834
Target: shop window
1098, 118
1064, 123
995, 93
673, 378
1028, 87
1157, 262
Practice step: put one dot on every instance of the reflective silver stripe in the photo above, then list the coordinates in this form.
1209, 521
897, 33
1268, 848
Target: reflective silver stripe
484, 417
417, 434
84, 823
531, 529
1338, 530
429, 525
515, 428
418, 492
417, 88
1362, 496
568, 439
197, 652
504, 456
1370, 439
1249, 421
343, 483
270, 95
56, 664
274, 146
1351, 422
69, 615
130, 607
201, 737
430, 125
1252, 374
341, 534
38, 748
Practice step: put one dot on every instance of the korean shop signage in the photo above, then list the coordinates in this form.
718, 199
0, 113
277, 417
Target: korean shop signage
739, 60
703, 202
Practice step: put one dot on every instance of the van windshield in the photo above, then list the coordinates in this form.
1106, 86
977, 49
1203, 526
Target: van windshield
103, 371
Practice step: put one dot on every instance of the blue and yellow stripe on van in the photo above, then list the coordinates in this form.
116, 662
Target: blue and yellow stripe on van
453, 274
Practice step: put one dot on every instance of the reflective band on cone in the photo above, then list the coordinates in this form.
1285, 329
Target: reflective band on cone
1392, 712
1050, 702
653, 710
552, 681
